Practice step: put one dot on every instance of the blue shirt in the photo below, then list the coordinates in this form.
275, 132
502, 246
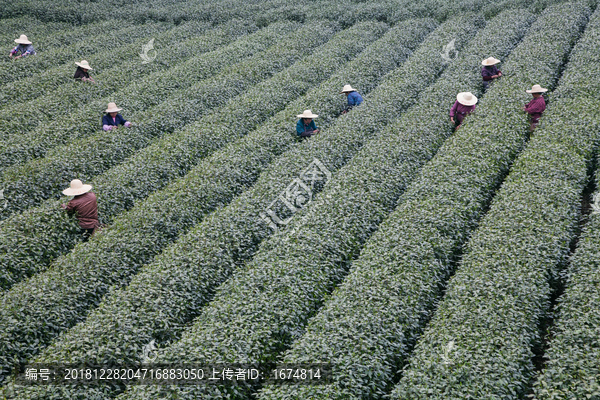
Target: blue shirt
24, 49
354, 99
107, 120
301, 128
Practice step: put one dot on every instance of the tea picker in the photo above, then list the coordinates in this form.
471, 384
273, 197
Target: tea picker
536, 106
24, 48
489, 71
463, 106
354, 98
82, 72
84, 206
306, 127
112, 119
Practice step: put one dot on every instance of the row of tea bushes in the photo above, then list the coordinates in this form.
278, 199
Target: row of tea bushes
481, 340
571, 370
239, 162
153, 167
240, 227
106, 52
140, 98
369, 326
31, 183
141, 233
67, 48
81, 103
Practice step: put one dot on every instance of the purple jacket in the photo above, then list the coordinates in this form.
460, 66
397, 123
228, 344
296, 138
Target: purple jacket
487, 72
460, 111
536, 107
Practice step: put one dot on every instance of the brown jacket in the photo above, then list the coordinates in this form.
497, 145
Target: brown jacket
86, 208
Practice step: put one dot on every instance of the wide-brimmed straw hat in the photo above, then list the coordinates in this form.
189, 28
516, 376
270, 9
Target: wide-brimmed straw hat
490, 61
76, 188
537, 89
22, 40
307, 114
112, 107
84, 64
466, 98
347, 88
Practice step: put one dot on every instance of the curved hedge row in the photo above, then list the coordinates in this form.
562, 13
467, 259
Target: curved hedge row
384, 55
500, 294
263, 277
149, 90
11, 28
40, 179
142, 232
138, 11
153, 167
572, 368
65, 49
369, 325
104, 52
82, 105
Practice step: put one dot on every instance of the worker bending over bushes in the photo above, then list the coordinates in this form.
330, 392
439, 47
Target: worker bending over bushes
536, 106
82, 72
489, 71
463, 106
306, 127
112, 119
24, 48
84, 206
354, 98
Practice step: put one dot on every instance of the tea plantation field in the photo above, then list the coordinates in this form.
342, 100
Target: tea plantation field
389, 256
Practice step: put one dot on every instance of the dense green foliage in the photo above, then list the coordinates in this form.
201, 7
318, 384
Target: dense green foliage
311, 253
152, 168
139, 86
572, 370
40, 179
495, 304
422, 262
367, 326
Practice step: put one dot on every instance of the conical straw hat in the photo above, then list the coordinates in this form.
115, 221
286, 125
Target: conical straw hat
112, 107
466, 98
22, 40
347, 88
537, 89
84, 64
490, 61
307, 114
77, 188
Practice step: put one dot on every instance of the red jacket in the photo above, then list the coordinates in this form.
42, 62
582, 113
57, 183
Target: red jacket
536, 107
86, 208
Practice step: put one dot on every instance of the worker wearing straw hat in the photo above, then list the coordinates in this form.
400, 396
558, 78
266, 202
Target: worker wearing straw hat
463, 106
536, 106
82, 71
306, 127
354, 99
489, 71
24, 48
84, 206
112, 119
